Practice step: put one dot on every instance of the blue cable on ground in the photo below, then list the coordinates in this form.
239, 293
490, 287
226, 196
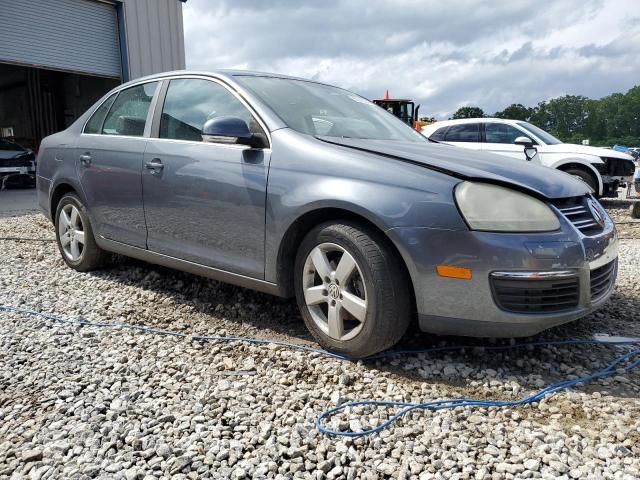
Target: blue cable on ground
626, 362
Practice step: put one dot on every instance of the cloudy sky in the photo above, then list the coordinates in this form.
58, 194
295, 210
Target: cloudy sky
443, 54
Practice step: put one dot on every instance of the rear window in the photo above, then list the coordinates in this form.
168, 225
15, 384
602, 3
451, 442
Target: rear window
438, 135
466, 132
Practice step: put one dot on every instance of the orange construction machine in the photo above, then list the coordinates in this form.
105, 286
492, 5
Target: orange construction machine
402, 108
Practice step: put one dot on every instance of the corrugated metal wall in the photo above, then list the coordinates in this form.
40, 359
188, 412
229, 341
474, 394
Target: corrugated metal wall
155, 36
72, 35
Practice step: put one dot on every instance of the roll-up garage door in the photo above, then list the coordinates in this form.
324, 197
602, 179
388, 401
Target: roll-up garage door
72, 35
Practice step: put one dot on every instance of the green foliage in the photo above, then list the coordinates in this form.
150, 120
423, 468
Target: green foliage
468, 112
573, 118
515, 111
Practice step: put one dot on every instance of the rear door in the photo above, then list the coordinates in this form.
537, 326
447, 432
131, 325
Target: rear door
466, 135
499, 138
109, 162
205, 202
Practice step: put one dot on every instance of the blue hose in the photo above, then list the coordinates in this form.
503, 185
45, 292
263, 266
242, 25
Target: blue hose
627, 362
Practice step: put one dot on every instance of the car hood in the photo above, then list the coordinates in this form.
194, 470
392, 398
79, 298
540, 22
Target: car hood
472, 165
6, 154
584, 150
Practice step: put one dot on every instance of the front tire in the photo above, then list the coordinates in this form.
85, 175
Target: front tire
585, 176
74, 236
351, 289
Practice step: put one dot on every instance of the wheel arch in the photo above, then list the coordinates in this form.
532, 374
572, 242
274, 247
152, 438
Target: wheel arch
583, 165
59, 191
299, 228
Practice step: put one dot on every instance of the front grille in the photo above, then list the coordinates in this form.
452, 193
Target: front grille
601, 279
536, 296
576, 211
618, 167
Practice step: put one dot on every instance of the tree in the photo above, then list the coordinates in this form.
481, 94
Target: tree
515, 111
468, 112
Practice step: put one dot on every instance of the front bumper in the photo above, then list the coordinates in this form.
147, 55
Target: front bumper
469, 307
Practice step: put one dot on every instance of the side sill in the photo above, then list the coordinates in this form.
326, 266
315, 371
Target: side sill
189, 267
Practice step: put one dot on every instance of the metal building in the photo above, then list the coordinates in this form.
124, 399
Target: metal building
57, 57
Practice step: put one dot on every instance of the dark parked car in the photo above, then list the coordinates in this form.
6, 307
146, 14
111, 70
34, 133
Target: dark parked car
294, 187
17, 164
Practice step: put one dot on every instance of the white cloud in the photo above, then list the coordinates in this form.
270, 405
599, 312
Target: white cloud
489, 54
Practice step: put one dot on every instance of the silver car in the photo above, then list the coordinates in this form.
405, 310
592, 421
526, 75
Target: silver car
294, 187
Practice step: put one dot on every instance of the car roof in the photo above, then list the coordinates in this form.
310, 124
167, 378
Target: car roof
429, 129
474, 120
222, 73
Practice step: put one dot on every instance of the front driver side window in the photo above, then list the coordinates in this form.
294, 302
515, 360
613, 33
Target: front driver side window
501, 133
190, 102
128, 114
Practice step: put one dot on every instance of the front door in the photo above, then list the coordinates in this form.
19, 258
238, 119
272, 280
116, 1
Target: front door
500, 137
109, 161
205, 202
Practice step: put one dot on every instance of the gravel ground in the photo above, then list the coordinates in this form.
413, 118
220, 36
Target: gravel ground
83, 402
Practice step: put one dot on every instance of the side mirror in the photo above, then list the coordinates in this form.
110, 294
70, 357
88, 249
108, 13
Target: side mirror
524, 141
230, 130
529, 150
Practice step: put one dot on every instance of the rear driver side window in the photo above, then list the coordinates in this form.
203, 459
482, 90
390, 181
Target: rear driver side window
94, 125
128, 114
190, 102
438, 135
465, 132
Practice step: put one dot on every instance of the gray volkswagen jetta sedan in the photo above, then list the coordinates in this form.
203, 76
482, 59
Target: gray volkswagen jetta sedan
294, 187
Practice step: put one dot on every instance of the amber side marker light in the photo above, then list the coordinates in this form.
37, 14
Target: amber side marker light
454, 272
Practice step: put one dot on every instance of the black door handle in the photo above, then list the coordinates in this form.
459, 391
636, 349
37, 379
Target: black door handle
154, 165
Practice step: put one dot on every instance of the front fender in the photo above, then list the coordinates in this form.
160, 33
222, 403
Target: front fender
385, 192
586, 161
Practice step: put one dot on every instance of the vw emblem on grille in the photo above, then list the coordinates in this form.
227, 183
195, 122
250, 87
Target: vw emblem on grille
595, 210
334, 291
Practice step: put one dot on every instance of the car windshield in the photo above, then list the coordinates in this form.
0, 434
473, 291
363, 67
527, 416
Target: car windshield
546, 137
317, 109
7, 145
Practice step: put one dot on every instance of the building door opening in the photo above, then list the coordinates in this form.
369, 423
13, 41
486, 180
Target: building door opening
36, 102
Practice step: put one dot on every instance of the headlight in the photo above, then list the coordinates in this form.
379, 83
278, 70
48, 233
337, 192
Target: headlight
498, 209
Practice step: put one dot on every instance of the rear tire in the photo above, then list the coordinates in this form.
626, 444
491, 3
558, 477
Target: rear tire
351, 289
74, 236
585, 176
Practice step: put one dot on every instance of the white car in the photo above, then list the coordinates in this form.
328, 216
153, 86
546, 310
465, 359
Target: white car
604, 170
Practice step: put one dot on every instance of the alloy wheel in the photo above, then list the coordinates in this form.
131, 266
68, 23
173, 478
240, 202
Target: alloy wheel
335, 291
71, 232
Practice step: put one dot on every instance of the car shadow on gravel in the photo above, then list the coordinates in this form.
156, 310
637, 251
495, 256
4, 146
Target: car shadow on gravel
239, 307
272, 317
